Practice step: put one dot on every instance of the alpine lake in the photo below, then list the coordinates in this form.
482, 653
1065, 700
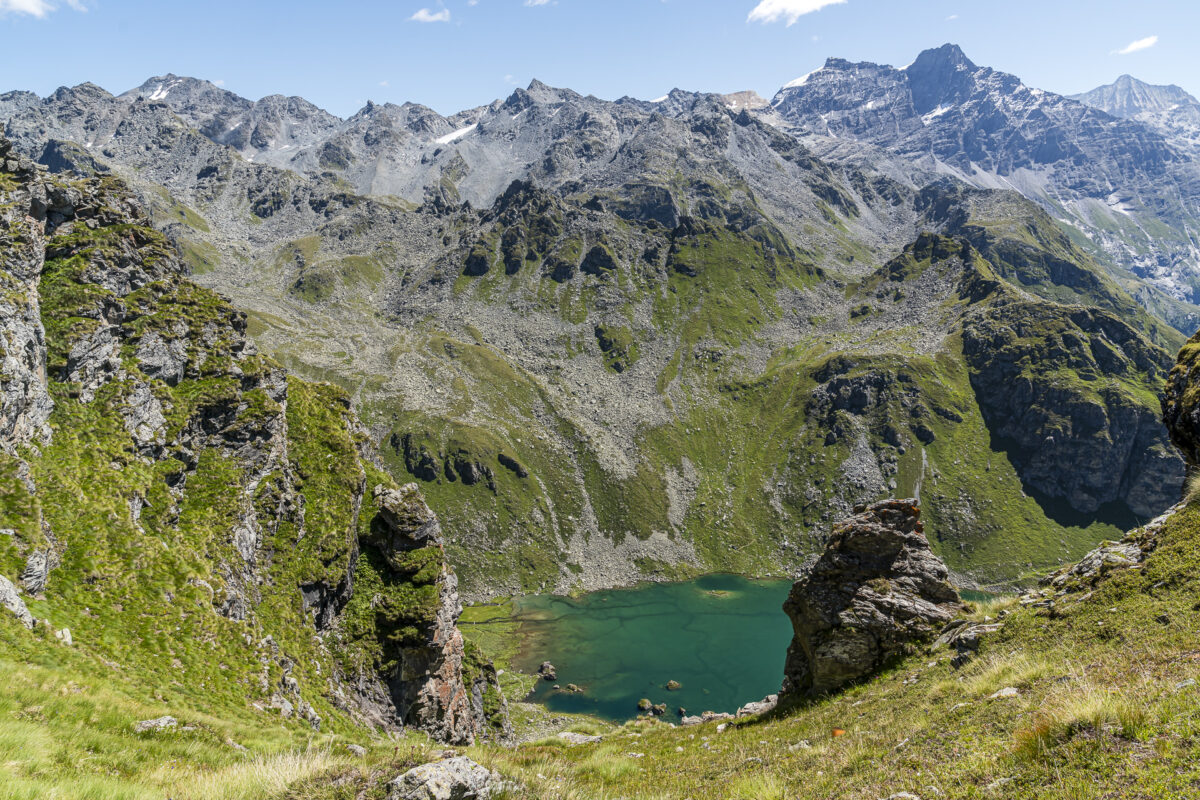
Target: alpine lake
721, 638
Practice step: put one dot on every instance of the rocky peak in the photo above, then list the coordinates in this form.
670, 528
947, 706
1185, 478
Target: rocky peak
941, 77
876, 592
1128, 97
947, 57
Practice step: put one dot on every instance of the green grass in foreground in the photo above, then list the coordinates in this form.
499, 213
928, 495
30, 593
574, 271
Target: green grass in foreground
1104, 711
67, 732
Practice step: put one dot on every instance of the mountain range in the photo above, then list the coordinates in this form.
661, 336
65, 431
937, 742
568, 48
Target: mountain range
630, 339
291, 406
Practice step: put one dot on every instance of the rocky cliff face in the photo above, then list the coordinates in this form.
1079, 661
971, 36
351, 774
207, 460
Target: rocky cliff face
1069, 387
155, 467
875, 592
25, 402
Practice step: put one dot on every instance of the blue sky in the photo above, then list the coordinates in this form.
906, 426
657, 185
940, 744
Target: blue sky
455, 54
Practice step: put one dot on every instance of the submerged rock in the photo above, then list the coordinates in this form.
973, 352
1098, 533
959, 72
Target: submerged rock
877, 590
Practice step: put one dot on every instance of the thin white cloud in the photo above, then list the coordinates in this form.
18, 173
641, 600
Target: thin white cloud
425, 15
1140, 44
532, 3
952, 17
768, 11
36, 8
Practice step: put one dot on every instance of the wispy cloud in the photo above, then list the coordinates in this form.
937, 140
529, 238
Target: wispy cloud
1140, 44
425, 15
36, 8
769, 11
952, 17
532, 3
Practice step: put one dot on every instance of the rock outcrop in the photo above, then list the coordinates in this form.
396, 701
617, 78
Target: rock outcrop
11, 600
1181, 402
876, 591
428, 676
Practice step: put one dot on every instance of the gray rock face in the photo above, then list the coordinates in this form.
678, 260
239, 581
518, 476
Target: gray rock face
428, 686
453, 779
10, 599
156, 724
875, 593
1086, 441
1181, 411
25, 402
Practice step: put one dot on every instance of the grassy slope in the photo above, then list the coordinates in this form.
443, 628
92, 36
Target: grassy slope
139, 591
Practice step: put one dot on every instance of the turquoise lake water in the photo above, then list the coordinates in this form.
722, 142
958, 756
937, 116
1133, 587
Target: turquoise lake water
722, 637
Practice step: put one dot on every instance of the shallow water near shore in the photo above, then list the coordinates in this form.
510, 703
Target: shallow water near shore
723, 638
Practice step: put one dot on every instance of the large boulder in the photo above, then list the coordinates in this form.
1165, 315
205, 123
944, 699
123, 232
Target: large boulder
876, 591
453, 779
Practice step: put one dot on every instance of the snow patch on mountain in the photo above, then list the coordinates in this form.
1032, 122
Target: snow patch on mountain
454, 136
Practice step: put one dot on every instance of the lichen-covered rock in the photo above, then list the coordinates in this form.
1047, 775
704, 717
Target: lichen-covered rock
405, 523
457, 778
10, 599
429, 677
768, 703
156, 724
876, 591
